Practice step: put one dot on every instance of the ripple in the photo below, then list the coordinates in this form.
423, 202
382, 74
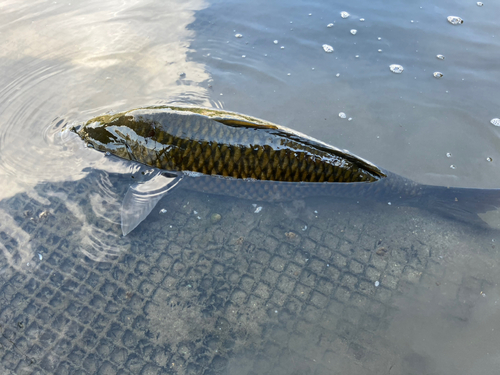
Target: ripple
98, 218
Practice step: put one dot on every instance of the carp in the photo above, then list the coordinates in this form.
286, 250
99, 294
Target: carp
222, 152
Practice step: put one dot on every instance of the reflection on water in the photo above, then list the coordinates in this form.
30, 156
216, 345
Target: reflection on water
74, 60
304, 287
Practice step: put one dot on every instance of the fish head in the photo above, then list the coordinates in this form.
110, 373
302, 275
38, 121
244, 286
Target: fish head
117, 135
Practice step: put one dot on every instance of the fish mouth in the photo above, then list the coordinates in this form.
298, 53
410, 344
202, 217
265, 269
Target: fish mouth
76, 128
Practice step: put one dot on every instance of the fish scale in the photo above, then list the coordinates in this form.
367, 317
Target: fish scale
207, 146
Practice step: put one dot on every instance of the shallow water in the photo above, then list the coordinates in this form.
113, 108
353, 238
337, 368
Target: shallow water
309, 286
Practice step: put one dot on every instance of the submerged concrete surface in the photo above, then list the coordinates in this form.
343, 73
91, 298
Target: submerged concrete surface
314, 287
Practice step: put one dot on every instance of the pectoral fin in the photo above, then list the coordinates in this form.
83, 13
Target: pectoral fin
142, 197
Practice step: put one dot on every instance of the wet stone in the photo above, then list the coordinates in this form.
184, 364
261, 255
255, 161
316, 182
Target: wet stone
255, 269
345, 247
342, 294
238, 297
355, 267
411, 275
278, 298
372, 274
301, 258
301, 291
270, 276
325, 286
308, 278
383, 295
286, 284
312, 314
277, 264
352, 315
246, 283
389, 281
378, 263
349, 281
340, 261
262, 291
292, 270
369, 323
319, 300
316, 266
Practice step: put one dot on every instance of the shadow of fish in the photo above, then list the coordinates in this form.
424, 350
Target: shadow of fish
227, 153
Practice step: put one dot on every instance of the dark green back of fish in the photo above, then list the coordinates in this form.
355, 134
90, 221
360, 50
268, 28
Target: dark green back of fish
186, 141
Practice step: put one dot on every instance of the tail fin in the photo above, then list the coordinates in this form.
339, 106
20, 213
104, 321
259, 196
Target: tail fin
462, 204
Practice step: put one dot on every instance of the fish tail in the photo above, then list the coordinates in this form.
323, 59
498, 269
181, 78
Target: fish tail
462, 204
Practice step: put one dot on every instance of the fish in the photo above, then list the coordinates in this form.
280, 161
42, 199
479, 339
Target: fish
228, 153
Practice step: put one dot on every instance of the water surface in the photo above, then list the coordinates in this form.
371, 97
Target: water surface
314, 286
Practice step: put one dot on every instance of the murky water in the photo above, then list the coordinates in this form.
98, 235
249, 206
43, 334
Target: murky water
308, 286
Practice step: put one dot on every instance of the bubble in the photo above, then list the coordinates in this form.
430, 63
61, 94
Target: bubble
454, 20
344, 14
354, 31
243, 55
362, 20
396, 68
379, 50
337, 75
440, 57
327, 48
239, 36
479, 4
276, 41
357, 56
453, 167
495, 121
448, 154
342, 115
163, 211
437, 74
489, 159
377, 283
310, 14
329, 25
282, 47
379, 38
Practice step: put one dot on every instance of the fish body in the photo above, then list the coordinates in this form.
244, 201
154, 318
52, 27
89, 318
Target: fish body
228, 153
